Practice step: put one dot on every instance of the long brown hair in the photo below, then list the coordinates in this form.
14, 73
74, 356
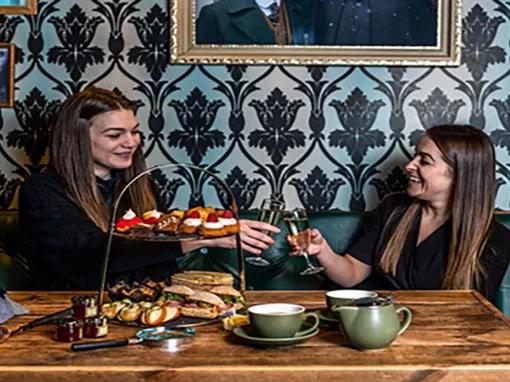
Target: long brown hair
470, 155
71, 155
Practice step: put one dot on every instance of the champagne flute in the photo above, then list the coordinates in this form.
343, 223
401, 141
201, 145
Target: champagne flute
301, 236
270, 212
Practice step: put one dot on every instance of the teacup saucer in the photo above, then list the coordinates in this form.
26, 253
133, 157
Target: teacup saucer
327, 316
246, 333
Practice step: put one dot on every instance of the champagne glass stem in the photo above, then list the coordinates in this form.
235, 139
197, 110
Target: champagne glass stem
308, 263
310, 268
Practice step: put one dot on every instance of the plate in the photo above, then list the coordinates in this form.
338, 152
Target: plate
245, 333
157, 237
326, 316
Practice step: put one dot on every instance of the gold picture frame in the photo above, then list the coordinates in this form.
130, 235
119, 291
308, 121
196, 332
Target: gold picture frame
18, 7
6, 74
183, 17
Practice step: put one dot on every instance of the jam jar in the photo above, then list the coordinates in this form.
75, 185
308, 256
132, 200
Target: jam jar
95, 327
69, 330
84, 307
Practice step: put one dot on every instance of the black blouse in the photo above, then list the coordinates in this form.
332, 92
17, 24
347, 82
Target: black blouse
423, 266
65, 249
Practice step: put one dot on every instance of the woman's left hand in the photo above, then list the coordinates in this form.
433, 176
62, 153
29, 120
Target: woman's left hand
253, 238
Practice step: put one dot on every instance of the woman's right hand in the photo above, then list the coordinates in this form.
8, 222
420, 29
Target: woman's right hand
316, 244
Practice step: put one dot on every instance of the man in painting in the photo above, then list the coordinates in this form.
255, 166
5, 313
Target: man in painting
368, 22
246, 22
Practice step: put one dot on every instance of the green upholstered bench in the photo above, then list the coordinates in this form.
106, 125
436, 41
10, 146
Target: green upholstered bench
339, 228
13, 268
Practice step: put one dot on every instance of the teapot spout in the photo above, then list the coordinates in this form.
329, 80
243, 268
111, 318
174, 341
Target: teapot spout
347, 314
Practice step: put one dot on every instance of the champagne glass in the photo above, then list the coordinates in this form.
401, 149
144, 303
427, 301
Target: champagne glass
270, 212
301, 236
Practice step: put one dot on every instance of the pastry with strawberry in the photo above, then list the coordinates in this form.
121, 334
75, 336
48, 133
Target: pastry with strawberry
230, 223
151, 217
191, 223
212, 227
127, 221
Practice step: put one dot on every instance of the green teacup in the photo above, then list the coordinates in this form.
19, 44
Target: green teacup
281, 320
346, 296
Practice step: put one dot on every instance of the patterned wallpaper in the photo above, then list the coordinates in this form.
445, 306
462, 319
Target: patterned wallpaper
324, 137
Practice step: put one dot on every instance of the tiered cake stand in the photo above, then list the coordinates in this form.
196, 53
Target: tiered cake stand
168, 238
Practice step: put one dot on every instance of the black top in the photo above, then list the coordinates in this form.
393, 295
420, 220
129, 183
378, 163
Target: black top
424, 266
65, 249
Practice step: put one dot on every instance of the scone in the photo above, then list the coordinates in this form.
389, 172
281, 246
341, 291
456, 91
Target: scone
191, 223
212, 227
231, 224
203, 211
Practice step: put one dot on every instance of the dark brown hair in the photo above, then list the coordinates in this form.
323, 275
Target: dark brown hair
71, 155
470, 155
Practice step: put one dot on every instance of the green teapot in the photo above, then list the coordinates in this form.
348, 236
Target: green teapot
372, 322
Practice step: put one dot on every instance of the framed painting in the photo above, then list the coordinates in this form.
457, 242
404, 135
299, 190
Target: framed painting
6, 75
316, 32
18, 7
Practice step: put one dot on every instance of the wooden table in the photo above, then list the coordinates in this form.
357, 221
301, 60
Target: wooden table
454, 336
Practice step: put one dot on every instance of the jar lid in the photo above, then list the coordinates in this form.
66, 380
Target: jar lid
70, 323
98, 321
85, 300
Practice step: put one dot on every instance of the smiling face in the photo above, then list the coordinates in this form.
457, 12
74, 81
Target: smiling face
430, 177
114, 137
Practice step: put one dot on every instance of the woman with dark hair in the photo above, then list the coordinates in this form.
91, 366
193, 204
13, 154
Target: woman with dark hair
442, 233
64, 212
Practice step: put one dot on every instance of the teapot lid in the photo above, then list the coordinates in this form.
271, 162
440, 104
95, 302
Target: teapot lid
373, 301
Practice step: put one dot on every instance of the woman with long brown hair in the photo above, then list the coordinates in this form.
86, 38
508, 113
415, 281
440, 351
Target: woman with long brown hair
442, 233
64, 212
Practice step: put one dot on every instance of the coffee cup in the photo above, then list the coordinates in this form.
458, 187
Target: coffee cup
281, 320
346, 296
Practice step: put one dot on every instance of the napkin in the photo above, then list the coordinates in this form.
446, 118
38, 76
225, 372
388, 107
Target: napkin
9, 308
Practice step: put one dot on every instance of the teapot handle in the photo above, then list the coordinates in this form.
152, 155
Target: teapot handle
407, 318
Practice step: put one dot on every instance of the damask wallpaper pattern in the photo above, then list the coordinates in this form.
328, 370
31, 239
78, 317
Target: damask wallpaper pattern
323, 137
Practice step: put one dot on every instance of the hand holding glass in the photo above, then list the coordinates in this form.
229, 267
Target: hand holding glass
300, 236
270, 212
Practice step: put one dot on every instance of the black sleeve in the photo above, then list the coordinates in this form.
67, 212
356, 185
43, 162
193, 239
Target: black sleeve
494, 261
62, 245
364, 248
65, 249
207, 29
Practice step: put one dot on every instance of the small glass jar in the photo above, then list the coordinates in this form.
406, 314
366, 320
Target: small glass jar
84, 307
95, 327
69, 330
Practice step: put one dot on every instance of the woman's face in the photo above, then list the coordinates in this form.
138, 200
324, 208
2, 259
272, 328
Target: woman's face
430, 177
114, 136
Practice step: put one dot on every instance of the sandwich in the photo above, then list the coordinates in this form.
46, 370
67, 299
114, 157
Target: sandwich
203, 305
176, 294
229, 295
156, 315
202, 280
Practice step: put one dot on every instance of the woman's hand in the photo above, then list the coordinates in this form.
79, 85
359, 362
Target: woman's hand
252, 234
316, 244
